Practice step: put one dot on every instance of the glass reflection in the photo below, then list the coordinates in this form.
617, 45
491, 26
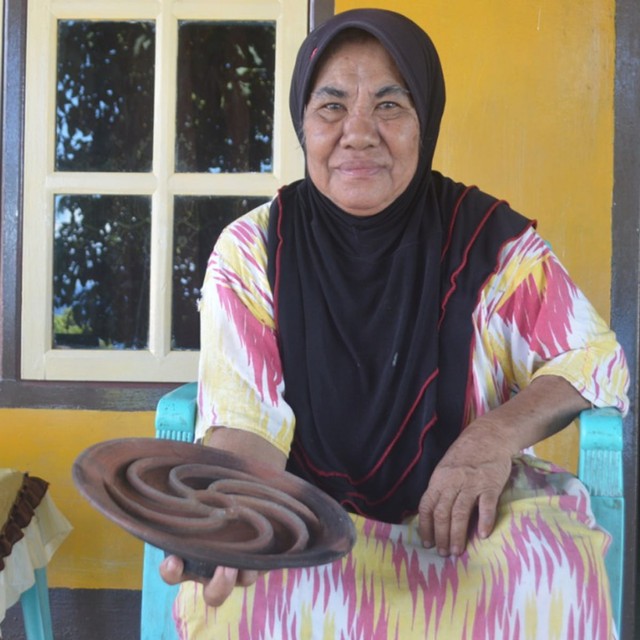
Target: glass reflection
225, 97
101, 271
104, 101
198, 223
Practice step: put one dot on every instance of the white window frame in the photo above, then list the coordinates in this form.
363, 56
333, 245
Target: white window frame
39, 361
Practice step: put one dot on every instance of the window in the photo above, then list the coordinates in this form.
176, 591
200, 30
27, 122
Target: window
148, 127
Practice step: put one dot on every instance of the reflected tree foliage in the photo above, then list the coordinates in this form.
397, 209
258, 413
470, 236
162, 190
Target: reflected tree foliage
198, 223
101, 271
104, 103
225, 97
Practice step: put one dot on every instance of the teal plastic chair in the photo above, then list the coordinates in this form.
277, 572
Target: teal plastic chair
600, 468
175, 420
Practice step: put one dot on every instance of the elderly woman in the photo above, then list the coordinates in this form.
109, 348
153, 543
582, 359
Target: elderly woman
398, 339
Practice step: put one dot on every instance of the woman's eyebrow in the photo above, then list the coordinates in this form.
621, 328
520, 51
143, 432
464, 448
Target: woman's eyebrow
392, 89
335, 92
329, 90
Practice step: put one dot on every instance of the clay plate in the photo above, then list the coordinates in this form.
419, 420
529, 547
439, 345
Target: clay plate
210, 507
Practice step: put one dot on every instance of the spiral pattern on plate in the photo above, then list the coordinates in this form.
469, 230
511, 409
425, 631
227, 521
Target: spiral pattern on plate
214, 506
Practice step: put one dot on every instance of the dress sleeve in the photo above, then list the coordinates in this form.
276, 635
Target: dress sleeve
532, 320
240, 381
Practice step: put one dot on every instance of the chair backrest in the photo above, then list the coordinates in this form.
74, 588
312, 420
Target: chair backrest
600, 468
175, 420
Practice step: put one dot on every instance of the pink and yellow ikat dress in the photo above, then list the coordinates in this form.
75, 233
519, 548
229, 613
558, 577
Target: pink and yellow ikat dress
539, 575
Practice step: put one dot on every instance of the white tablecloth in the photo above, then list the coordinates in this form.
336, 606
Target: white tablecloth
42, 536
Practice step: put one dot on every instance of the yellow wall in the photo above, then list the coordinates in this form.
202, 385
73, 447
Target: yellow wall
97, 554
529, 118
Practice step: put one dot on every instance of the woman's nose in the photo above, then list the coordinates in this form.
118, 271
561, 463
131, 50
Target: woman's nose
359, 130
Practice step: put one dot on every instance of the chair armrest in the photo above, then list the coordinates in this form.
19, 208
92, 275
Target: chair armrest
176, 414
600, 469
600, 461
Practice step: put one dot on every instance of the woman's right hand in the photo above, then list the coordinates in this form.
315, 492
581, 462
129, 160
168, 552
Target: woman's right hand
217, 588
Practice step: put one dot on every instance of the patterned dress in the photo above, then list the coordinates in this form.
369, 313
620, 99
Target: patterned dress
541, 572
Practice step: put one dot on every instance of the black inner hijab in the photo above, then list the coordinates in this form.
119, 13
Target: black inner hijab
374, 314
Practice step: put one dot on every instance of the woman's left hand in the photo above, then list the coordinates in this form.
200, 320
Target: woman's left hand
473, 473
475, 469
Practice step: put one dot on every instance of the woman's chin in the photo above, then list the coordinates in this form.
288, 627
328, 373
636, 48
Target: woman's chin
362, 203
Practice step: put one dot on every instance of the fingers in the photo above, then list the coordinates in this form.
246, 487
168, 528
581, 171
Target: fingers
451, 500
219, 588
246, 578
461, 511
425, 521
224, 580
487, 512
171, 569
216, 589
444, 520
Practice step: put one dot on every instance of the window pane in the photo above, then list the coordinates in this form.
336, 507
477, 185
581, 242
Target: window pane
101, 271
225, 97
104, 105
198, 222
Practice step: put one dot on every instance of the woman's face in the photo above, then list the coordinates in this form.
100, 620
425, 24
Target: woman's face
361, 130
